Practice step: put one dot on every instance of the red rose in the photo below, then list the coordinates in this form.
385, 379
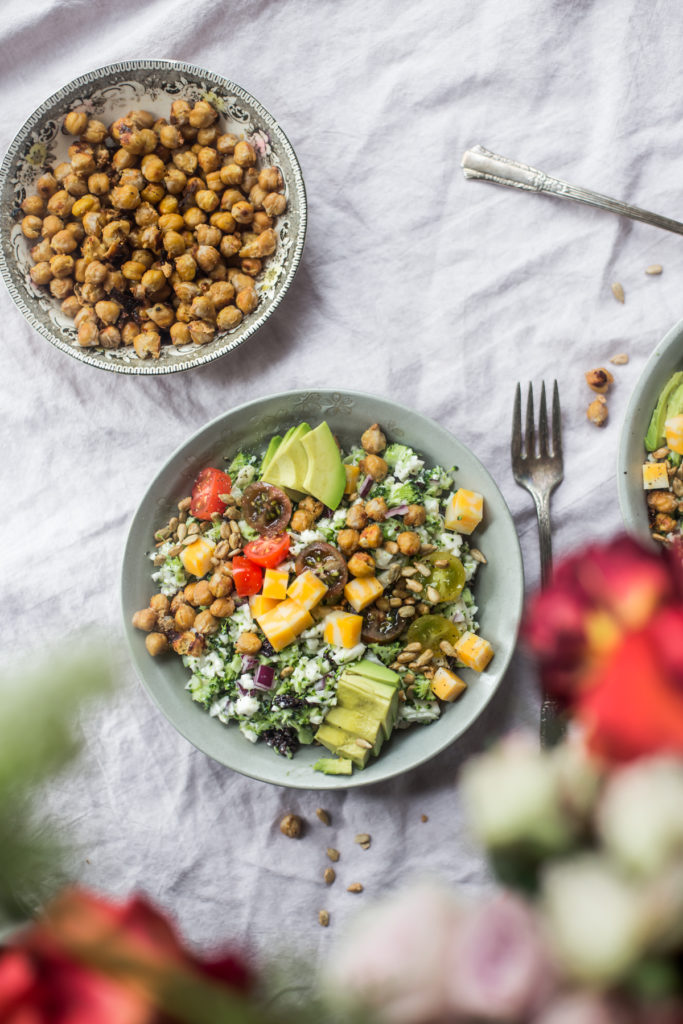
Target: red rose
89, 961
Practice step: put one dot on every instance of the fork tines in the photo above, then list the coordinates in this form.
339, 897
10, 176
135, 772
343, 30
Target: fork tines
529, 440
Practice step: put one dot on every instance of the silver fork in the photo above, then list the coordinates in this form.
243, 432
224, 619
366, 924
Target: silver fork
540, 470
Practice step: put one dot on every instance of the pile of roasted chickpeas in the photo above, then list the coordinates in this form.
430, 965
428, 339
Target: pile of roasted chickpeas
156, 230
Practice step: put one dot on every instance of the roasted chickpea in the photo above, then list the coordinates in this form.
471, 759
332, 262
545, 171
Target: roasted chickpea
180, 334
374, 466
202, 308
42, 251
224, 221
202, 115
41, 273
348, 541
220, 585
243, 212
145, 619
206, 623
362, 564
31, 226
248, 643
46, 185
171, 222
261, 222
357, 517
301, 520
250, 179
147, 343
125, 197
174, 244
86, 314
75, 123
33, 205
170, 137
415, 515
371, 536
244, 154
270, 179
129, 332
225, 144
228, 318
110, 337
409, 543
87, 204
222, 607
153, 192
62, 265
169, 204
142, 256
208, 159
75, 229
274, 204
207, 136
132, 270
231, 174
122, 159
207, 234
174, 181
146, 215
108, 311
221, 293
186, 290
194, 216
90, 293
94, 131
163, 316
251, 267
88, 335
185, 160
63, 241
186, 267
230, 245
83, 164
61, 171
256, 197
70, 306
61, 287
247, 300
156, 644
207, 200
96, 272
153, 281
207, 257
180, 112
201, 332
377, 509
184, 617
152, 167
373, 440
160, 604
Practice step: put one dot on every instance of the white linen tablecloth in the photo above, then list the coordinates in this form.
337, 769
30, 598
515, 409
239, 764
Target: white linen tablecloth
415, 284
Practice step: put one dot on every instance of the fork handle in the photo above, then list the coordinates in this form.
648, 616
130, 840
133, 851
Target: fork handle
486, 166
553, 725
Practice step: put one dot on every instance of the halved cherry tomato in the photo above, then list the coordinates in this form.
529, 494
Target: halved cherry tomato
268, 551
248, 578
208, 487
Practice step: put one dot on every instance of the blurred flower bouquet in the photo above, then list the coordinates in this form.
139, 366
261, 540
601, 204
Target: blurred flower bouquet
587, 838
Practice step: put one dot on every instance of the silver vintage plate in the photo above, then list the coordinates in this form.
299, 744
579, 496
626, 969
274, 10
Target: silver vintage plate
108, 93
498, 589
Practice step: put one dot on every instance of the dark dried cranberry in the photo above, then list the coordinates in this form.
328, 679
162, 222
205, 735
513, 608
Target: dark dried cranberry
284, 741
268, 649
288, 700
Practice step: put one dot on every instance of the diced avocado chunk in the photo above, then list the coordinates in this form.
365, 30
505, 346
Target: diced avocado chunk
655, 433
288, 466
360, 694
273, 446
338, 741
360, 722
373, 670
325, 475
334, 766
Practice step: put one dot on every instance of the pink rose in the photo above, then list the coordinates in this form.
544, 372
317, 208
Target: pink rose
497, 967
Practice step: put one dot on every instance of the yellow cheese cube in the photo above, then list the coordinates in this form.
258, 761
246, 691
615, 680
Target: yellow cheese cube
343, 629
307, 589
673, 431
196, 557
283, 624
655, 476
446, 685
474, 651
259, 605
464, 511
362, 591
352, 474
275, 584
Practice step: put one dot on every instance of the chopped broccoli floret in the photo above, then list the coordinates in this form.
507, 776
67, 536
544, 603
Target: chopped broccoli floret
241, 460
385, 652
402, 460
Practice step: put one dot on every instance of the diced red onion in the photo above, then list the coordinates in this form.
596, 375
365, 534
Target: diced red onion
249, 662
365, 487
243, 690
399, 510
263, 677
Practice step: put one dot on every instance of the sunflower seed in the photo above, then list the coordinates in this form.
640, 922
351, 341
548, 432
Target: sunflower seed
618, 291
423, 569
423, 817
222, 549
416, 587
173, 524
433, 595
408, 570
184, 505
160, 559
620, 359
478, 556
193, 528
333, 854
409, 678
407, 611
448, 649
162, 534
329, 874
654, 268
225, 531
322, 815
365, 846
360, 742
233, 552
441, 563
361, 838
323, 918
190, 539
175, 551
425, 658
415, 646
354, 887
182, 532
395, 602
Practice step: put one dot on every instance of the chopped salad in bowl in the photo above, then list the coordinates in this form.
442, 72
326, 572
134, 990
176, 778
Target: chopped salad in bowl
321, 595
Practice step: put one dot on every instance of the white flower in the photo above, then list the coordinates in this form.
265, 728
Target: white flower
511, 796
597, 919
640, 816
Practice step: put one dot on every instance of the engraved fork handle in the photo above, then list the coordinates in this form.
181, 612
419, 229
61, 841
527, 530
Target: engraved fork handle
553, 724
479, 163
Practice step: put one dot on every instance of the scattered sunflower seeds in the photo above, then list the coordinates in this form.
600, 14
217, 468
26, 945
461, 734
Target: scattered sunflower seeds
654, 268
433, 595
184, 505
329, 874
423, 817
333, 854
407, 611
618, 292
291, 826
323, 918
354, 887
415, 646
620, 359
322, 815
478, 556
362, 838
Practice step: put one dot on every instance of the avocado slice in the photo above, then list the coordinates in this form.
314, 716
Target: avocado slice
334, 766
359, 694
289, 463
325, 476
360, 723
374, 670
273, 446
655, 432
338, 741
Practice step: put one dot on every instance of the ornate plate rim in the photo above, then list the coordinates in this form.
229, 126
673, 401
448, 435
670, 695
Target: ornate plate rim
153, 64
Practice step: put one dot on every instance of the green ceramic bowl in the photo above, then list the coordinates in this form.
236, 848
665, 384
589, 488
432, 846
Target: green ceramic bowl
499, 587
665, 360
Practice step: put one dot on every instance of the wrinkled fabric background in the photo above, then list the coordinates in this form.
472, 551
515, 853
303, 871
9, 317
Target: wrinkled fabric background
415, 284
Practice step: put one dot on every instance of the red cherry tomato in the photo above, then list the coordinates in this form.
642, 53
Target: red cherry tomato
248, 578
268, 551
208, 487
